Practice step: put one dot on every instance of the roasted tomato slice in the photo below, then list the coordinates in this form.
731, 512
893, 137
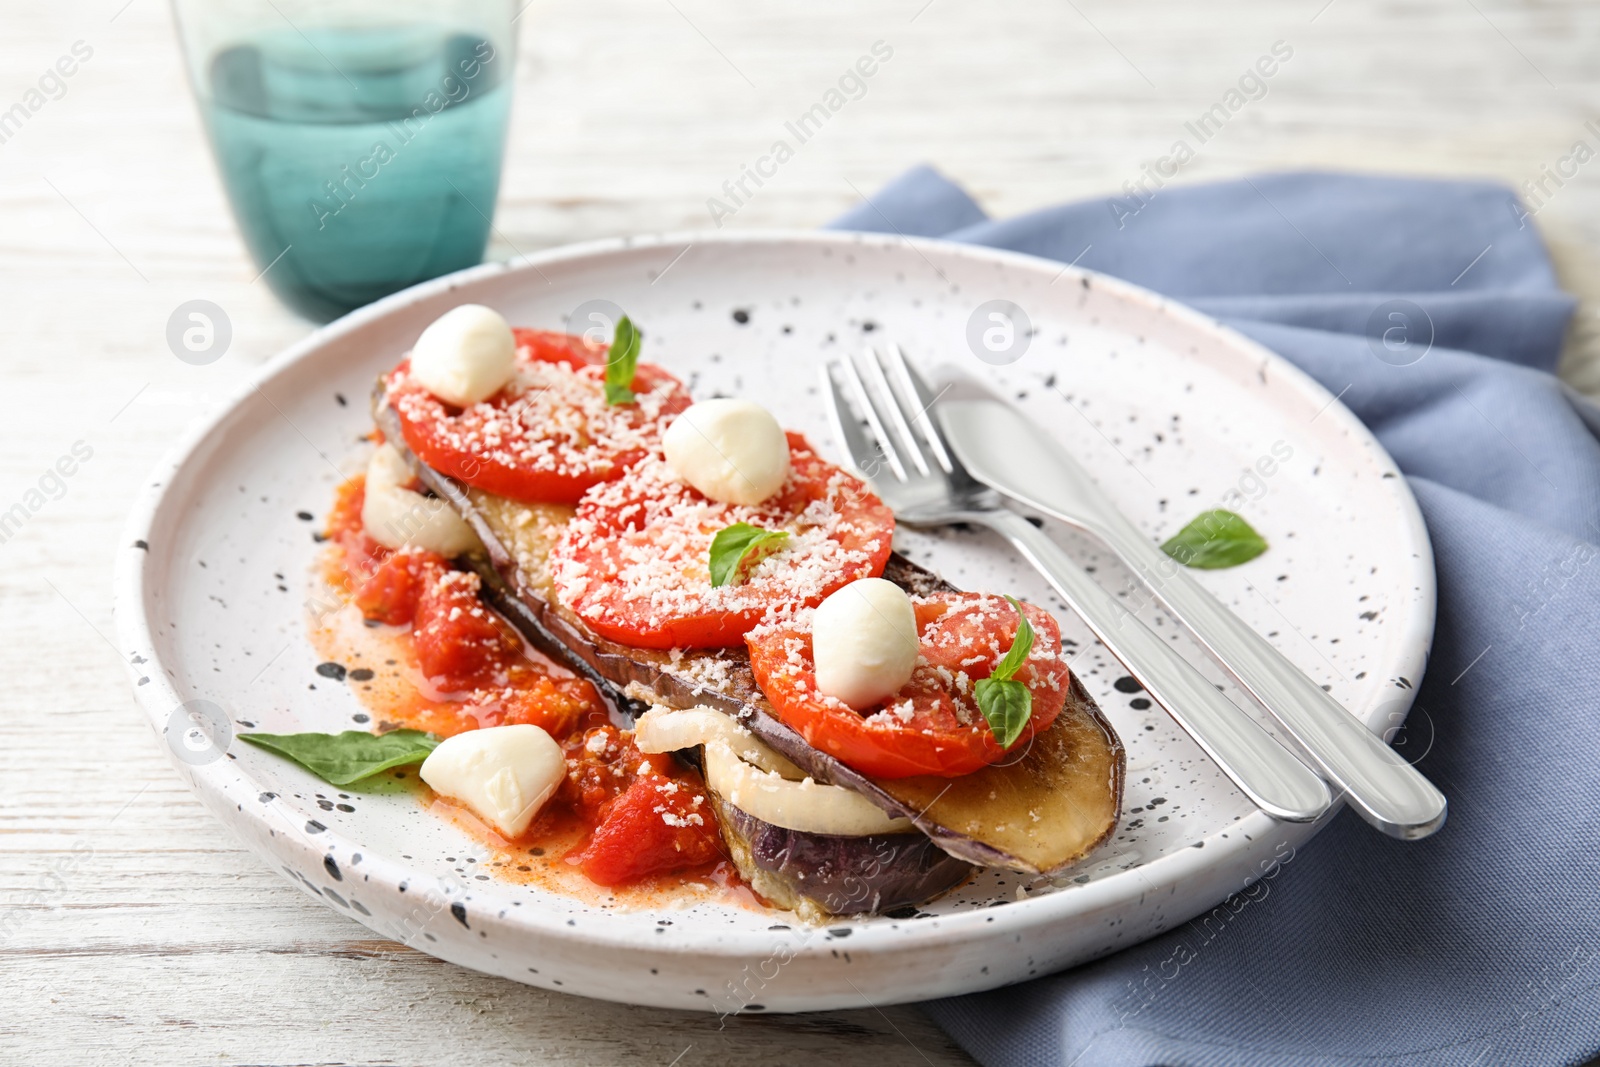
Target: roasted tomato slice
547, 436
933, 725
633, 563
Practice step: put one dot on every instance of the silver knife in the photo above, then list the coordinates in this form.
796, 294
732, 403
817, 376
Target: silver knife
1388, 792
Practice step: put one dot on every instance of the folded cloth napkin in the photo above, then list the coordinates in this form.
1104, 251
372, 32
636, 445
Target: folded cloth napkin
1481, 944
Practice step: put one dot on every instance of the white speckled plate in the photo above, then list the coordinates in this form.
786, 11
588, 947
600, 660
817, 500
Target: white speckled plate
1171, 412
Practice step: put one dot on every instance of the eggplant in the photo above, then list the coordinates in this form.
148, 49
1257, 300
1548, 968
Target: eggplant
1036, 812
820, 876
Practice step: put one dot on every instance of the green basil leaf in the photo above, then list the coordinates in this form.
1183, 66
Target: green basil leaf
739, 547
621, 362
1213, 540
1021, 645
1007, 705
343, 759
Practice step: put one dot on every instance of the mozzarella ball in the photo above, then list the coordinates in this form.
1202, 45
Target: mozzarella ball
733, 451
502, 774
864, 642
465, 355
397, 517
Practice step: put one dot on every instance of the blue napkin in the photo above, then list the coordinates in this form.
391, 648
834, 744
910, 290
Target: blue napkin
1481, 944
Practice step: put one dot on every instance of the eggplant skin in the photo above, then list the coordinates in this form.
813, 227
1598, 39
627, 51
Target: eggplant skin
823, 876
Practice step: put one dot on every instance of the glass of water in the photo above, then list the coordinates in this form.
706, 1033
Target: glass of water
360, 141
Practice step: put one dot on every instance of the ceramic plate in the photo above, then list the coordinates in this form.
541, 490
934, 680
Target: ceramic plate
1172, 414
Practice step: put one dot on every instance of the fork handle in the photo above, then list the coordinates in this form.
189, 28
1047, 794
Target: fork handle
1264, 770
1387, 791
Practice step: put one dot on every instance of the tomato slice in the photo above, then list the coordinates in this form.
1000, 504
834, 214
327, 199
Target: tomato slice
552, 346
933, 725
547, 436
633, 563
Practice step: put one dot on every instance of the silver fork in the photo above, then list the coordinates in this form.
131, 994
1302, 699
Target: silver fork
986, 435
900, 450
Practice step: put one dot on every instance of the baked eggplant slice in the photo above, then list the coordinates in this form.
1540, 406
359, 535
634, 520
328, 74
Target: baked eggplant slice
820, 876
1036, 813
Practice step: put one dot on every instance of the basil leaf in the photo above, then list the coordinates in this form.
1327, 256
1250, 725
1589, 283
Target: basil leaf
621, 363
1007, 705
1213, 540
1005, 702
343, 759
1021, 645
740, 546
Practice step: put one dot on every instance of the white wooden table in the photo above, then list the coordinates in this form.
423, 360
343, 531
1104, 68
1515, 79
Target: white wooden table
133, 929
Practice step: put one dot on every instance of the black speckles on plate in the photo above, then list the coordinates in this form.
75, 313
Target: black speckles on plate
1179, 774
332, 670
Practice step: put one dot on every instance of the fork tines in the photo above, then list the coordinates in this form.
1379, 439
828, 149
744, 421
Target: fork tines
885, 393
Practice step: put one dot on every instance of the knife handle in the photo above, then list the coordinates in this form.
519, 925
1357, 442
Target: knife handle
1264, 770
1387, 791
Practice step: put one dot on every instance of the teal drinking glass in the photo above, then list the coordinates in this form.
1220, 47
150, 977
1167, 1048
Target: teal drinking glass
360, 143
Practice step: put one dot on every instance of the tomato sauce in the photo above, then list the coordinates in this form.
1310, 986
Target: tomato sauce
624, 826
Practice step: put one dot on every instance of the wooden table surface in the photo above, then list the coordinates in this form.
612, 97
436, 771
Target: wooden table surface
133, 928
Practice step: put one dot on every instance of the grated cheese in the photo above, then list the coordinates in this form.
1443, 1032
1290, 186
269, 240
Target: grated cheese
557, 420
637, 554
